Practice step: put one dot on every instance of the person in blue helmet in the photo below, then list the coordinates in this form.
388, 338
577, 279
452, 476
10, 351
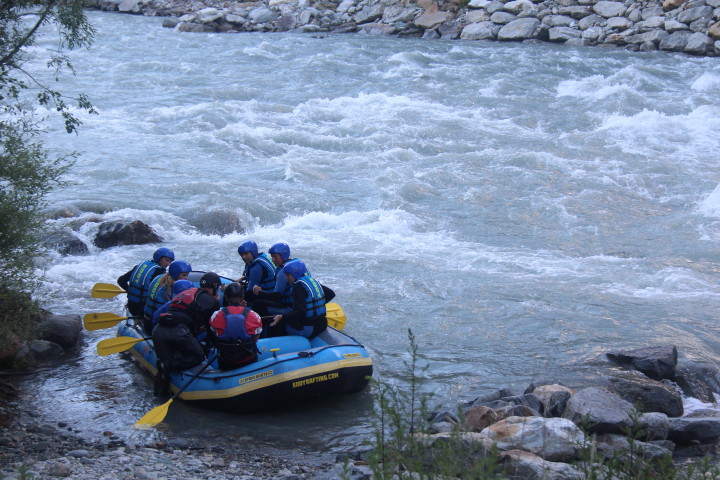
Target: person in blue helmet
137, 280
277, 301
235, 330
177, 288
309, 297
259, 269
160, 290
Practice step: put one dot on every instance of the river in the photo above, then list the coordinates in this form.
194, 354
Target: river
522, 208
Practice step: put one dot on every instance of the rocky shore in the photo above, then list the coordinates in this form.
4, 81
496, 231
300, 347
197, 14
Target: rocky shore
687, 26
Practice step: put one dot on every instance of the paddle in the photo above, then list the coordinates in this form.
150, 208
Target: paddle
105, 290
335, 316
98, 321
157, 414
116, 345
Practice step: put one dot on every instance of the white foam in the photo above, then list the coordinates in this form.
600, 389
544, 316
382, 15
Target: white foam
710, 206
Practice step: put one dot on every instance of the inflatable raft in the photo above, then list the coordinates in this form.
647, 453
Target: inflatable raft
289, 370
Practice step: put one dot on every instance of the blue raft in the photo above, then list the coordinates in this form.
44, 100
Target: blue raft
289, 370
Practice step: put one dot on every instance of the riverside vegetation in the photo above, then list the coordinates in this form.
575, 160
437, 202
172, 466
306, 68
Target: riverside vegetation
688, 26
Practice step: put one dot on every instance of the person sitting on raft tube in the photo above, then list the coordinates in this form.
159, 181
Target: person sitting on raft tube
307, 318
236, 330
137, 280
277, 301
175, 336
259, 269
161, 290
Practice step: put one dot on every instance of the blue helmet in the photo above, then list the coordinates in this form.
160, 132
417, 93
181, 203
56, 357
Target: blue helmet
177, 267
283, 249
163, 252
248, 246
181, 285
296, 268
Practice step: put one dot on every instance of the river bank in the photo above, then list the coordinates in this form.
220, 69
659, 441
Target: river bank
687, 26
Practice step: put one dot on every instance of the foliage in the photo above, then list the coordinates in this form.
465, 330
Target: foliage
27, 172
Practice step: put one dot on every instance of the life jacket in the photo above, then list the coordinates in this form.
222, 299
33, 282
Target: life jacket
267, 279
286, 294
157, 296
140, 279
185, 301
314, 297
236, 347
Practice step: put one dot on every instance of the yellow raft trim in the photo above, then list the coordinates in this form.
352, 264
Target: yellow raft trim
269, 381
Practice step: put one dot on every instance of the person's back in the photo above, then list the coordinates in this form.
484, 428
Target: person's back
236, 329
160, 290
137, 281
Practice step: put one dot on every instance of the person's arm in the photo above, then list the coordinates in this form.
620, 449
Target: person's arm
329, 293
125, 278
254, 277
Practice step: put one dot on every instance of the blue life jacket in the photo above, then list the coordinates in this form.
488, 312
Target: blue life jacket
282, 286
156, 296
140, 279
234, 324
267, 278
314, 296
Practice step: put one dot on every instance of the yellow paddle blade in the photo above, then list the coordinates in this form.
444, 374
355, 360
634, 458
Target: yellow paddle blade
98, 321
335, 316
115, 345
154, 416
105, 290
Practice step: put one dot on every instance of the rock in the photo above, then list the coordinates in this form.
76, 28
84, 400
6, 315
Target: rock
479, 31
558, 21
129, 6
693, 380
520, 29
691, 14
528, 466
589, 21
502, 18
604, 411
376, 29
562, 34
616, 446
618, 23
115, 233
554, 439
208, 15
450, 30
698, 44
675, 42
432, 20
517, 6
261, 15
576, 12
672, 4
480, 417
42, 349
684, 431
652, 426
655, 362
671, 26
183, 27
64, 330
646, 394
609, 9
370, 14
653, 36
66, 242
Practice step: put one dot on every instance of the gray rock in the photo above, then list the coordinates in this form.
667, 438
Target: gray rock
42, 349
476, 16
576, 42
651, 23
261, 15
517, 6
430, 34
604, 411
577, 12
701, 25
520, 29
479, 31
562, 34
115, 233
656, 362
376, 29
479, 3
618, 23
369, 14
66, 242
494, 6
170, 22
64, 330
672, 26
209, 15
698, 44
647, 394
590, 21
129, 6
691, 14
617, 446
675, 42
592, 34
655, 11
450, 30
695, 381
502, 18
653, 426
192, 28
684, 431
609, 9
653, 36
528, 466
558, 21
432, 20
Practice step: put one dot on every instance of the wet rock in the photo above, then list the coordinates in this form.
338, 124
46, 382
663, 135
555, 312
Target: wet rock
66, 242
697, 381
115, 233
64, 330
646, 394
655, 362
42, 349
603, 411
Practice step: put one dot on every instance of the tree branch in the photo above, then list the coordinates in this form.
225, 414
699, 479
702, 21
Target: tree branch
7, 58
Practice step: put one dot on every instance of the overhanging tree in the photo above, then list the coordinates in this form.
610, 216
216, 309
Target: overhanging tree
27, 171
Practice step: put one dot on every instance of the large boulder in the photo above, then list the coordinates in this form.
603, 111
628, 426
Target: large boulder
520, 29
600, 410
479, 31
116, 233
528, 466
65, 330
609, 9
646, 394
66, 242
655, 362
685, 431
698, 381
554, 439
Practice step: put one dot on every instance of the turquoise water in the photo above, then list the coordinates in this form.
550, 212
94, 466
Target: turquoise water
522, 208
